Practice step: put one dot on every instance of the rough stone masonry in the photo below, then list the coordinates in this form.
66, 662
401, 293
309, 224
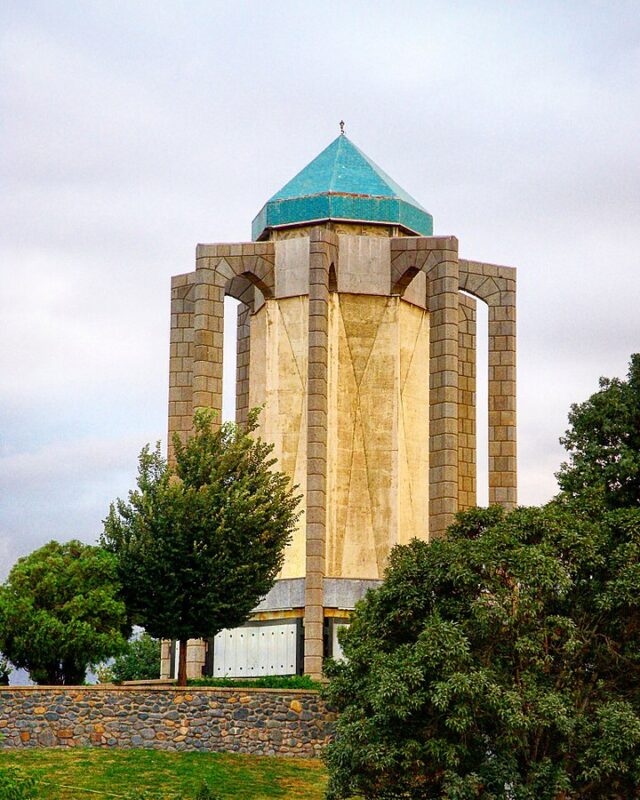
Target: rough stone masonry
253, 721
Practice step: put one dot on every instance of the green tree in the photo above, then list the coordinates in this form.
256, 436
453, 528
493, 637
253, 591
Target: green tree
141, 662
60, 611
502, 663
198, 545
604, 442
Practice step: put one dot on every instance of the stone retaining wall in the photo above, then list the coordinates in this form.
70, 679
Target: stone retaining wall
255, 721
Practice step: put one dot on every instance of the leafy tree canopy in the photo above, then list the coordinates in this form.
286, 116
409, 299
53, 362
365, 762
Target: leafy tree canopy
501, 663
60, 611
140, 662
604, 442
198, 545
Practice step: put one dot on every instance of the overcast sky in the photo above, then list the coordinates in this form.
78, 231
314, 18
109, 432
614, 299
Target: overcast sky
130, 131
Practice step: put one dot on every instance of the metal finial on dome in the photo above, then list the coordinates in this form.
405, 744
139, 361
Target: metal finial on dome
342, 127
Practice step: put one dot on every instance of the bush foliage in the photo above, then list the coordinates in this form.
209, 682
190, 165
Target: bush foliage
60, 610
15, 785
502, 662
263, 682
141, 662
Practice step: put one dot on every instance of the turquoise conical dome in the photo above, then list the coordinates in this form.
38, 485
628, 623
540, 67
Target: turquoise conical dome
342, 183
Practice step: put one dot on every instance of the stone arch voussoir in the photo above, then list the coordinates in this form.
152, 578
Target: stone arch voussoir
406, 264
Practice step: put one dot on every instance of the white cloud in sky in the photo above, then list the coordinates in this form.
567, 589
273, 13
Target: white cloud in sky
133, 130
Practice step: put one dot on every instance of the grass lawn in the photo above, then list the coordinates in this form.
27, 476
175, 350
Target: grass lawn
110, 773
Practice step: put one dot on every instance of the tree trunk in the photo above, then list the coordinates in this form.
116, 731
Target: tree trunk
72, 673
182, 663
50, 675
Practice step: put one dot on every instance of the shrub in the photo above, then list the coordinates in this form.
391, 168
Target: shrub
205, 793
15, 785
501, 662
141, 662
262, 682
104, 673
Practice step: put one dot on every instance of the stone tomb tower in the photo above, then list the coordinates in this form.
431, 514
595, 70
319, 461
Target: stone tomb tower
356, 331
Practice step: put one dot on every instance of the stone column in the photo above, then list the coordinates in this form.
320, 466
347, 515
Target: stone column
165, 659
180, 385
181, 358
208, 331
467, 402
241, 268
503, 486
323, 253
442, 298
437, 257
196, 657
497, 287
243, 351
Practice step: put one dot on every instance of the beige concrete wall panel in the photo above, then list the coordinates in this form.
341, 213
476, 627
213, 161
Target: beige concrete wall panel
292, 267
365, 395
258, 372
364, 265
416, 291
413, 434
278, 381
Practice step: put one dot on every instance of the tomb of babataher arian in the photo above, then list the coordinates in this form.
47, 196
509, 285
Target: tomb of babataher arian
356, 332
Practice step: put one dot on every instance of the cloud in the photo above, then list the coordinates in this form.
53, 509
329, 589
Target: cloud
133, 131
61, 491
